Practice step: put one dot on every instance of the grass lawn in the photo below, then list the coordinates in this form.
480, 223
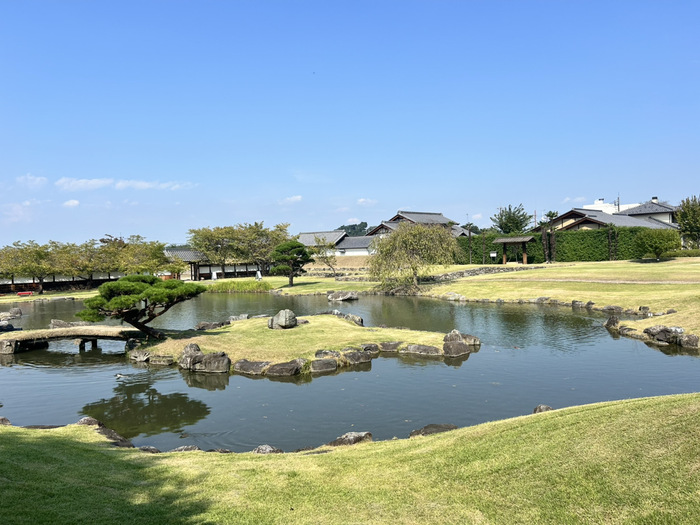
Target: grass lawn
619, 462
673, 284
253, 340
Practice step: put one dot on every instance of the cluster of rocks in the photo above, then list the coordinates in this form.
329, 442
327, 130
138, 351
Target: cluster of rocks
6, 317
484, 270
658, 334
329, 361
342, 296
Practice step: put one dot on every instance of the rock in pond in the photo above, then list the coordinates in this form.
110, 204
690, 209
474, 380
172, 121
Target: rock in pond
290, 368
319, 366
351, 438
252, 368
433, 428
542, 408
421, 350
267, 449
457, 344
342, 296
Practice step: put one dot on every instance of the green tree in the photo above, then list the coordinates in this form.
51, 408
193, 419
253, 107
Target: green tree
658, 241
688, 218
220, 245
354, 230
8, 262
34, 260
289, 259
511, 220
258, 242
138, 300
399, 258
549, 240
324, 252
141, 256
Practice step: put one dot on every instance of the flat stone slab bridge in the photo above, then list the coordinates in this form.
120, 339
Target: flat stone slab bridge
23, 341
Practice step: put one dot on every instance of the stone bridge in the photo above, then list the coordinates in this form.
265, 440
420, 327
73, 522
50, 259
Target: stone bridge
23, 341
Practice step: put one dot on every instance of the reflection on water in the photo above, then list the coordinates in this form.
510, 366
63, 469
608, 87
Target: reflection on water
531, 354
137, 407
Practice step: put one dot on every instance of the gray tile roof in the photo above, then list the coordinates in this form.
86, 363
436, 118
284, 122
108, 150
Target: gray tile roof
184, 253
649, 208
621, 220
349, 243
509, 240
424, 217
334, 236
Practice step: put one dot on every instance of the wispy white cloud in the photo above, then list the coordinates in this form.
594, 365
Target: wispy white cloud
366, 202
152, 185
573, 199
31, 182
477, 216
353, 220
71, 184
342, 209
18, 212
291, 200
71, 203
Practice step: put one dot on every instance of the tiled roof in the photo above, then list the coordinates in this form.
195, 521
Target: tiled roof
424, 217
620, 219
508, 240
649, 208
184, 253
308, 238
349, 243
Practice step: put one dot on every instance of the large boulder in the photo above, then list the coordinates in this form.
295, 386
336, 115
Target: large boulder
356, 357
191, 355
290, 368
319, 366
342, 296
432, 429
351, 438
6, 327
8, 346
267, 449
251, 368
391, 346
421, 350
284, 319
241, 317
456, 344
58, 323
214, 363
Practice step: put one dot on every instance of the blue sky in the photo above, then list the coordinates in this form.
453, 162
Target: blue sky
155, 117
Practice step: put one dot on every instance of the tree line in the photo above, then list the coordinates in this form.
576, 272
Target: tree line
106, 256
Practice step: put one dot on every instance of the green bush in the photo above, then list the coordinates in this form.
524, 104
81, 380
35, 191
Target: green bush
236, 286
604, 244
682, 253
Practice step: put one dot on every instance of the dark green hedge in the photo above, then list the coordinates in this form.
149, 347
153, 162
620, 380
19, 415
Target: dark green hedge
605, 244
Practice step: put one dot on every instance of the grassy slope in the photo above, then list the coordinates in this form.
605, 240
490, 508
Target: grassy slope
590, 464
252, 340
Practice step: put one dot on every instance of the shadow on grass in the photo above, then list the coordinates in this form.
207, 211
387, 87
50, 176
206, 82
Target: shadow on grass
47, 477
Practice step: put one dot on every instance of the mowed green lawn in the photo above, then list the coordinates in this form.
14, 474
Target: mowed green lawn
632, 461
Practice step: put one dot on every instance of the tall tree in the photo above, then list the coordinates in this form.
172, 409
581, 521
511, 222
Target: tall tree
221, 245
138, 300
324, 252
289, 259
511, 220
34, 260
258, 242
549, 240
399, 258
688, 217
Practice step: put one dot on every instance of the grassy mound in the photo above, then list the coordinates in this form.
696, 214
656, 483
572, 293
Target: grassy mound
253, 340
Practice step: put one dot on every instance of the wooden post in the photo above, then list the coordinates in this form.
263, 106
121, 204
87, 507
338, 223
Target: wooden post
524, 253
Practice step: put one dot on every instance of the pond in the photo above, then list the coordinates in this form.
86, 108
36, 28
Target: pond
530, 354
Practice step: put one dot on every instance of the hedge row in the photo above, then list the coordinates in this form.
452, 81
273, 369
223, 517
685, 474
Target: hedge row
605, 244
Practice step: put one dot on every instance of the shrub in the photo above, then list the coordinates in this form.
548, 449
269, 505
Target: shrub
236, 286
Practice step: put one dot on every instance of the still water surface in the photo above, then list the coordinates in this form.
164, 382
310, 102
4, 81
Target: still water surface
529, 355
